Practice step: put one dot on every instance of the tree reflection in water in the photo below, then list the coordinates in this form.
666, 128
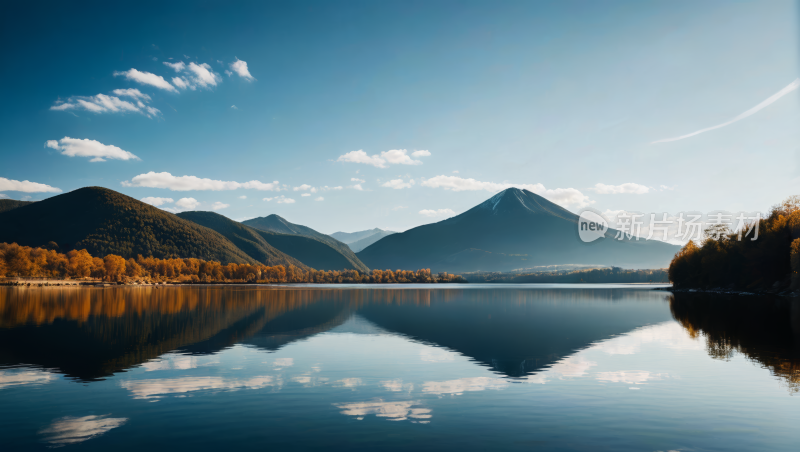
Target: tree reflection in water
765, 331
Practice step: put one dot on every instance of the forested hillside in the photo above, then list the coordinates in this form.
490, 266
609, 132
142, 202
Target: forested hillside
103, 221
275, 223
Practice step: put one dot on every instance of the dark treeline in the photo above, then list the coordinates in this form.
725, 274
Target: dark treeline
27, 262
596, 276
726, 259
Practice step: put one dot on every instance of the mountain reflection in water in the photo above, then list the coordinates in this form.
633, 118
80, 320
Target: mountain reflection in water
91, 334
475, 367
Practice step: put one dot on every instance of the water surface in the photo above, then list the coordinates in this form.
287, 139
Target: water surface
475, 367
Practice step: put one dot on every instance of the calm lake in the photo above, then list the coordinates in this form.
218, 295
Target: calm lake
472, 367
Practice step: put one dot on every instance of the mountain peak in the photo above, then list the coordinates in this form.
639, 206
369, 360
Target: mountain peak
515, 200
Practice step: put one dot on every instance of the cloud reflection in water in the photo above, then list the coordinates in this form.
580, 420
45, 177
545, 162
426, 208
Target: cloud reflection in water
71, 430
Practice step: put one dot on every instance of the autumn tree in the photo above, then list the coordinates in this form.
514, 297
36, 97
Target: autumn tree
114, 266
80, 263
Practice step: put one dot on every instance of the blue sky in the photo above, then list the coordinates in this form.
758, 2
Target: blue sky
555, 97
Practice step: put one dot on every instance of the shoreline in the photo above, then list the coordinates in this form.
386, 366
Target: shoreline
721, 291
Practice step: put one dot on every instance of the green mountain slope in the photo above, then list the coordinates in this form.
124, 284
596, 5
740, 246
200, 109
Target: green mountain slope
245, 238
106, 222
11, 204
274, 223
514, 229
304, 251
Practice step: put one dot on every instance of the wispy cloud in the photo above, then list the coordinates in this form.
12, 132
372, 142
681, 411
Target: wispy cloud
391, 157
76, 147
155, 201
26, 186
792, 86
186, 183
146, 78
219, 205
437, 213
103, 103
187, 203
280, 200
397, 184
627, 188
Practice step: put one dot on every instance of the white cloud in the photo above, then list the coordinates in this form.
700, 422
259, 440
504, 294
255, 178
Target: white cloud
455, 171
72, 430
356, 187
792, 86
280, 200
153, 201
131, 92
147, 78
400, 157
4, 196
219, 205
178, 67
355, 179
399, 207
204, 76
306, 194
240, 67
398, 184
421, 154
437, 213
76, 147
186, 183
187, 203
361, 157
228, 73
319, 199
561, 196
181, 83
234, 107
629, 188
243, 197
26, 186
103, 103
392, 157
303, 187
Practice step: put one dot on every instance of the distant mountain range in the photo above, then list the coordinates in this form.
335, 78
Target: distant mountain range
274, 223
310, 251
513, 229
357, 241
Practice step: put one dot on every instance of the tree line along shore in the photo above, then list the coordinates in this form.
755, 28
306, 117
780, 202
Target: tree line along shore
738, 260
27, 262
